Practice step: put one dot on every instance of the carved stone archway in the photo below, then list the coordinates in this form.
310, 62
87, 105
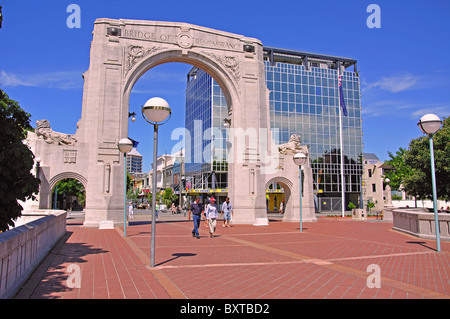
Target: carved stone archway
121, 52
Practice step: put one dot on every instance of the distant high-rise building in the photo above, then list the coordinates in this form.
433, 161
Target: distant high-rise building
134, 161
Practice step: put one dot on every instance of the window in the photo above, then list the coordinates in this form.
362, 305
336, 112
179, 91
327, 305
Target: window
374, 188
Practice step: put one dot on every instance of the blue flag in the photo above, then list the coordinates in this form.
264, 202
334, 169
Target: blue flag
135, 143
341, 97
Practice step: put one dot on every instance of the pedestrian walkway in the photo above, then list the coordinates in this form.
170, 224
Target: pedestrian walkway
333, 258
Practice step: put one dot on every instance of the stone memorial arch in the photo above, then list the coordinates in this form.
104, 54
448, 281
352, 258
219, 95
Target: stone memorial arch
121, 52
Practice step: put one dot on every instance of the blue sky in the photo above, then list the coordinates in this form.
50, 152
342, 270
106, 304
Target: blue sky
404, 65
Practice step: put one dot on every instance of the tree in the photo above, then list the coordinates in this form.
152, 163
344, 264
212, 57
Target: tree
168, 197
400, 170
412, 166
16, 162
418, 159
70, 187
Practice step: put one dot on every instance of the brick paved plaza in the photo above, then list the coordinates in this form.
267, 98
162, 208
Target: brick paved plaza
329, 259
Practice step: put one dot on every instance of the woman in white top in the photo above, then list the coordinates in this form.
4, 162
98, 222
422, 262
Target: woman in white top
211, 215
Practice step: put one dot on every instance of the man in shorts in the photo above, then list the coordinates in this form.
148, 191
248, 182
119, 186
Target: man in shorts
227, 211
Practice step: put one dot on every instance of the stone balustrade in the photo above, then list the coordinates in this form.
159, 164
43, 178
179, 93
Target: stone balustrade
420, 223
24, 247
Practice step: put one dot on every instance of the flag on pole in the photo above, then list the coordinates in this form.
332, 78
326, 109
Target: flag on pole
341, 96
135, 143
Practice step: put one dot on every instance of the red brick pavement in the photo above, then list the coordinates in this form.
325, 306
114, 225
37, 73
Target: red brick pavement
329, 259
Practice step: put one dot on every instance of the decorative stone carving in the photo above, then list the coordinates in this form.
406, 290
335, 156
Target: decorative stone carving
231, 63
70, 156
185, 40
137, 52
293, 146
44, 131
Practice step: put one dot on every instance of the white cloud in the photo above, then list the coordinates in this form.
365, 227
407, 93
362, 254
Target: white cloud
59, 80
440, 110
400, 108
394, 83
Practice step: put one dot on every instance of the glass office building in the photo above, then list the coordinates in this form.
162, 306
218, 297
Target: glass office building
304, 100
205, 159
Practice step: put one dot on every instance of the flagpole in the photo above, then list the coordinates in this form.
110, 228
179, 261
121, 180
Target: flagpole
341, 145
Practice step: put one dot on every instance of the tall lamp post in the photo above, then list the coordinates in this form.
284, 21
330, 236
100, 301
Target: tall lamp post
300, 159
125, 146
430, 124
155, 111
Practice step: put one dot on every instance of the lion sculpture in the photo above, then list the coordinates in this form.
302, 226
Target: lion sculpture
44, 130
292, 147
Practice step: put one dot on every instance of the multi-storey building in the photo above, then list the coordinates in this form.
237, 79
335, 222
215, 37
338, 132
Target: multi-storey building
304, 100
134, 161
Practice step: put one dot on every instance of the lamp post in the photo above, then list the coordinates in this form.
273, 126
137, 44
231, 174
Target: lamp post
155, 111
430, 124
125, 146
300, 159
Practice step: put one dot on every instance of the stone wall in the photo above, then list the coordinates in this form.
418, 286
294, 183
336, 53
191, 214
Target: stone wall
421, 224
24, 247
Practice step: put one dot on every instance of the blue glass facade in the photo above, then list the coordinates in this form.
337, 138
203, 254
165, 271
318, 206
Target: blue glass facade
304, 100
205, 159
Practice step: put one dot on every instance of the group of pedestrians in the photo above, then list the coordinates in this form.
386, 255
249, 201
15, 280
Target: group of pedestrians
211, 213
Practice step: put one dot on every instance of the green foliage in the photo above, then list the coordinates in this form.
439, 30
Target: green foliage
16, 161
351, 205
401, 170
412, 167
418, 158
168, 197
70, 187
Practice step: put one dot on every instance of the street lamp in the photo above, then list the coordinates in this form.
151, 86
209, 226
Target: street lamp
300, 159
430, 124
133, 116
227, 122
155, 111
125, 146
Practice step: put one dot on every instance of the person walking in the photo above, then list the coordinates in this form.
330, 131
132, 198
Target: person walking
156, 209
211, 215
130, 211
197, 210
227, 211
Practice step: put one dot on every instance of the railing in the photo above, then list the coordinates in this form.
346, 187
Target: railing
421, 223
23, 248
